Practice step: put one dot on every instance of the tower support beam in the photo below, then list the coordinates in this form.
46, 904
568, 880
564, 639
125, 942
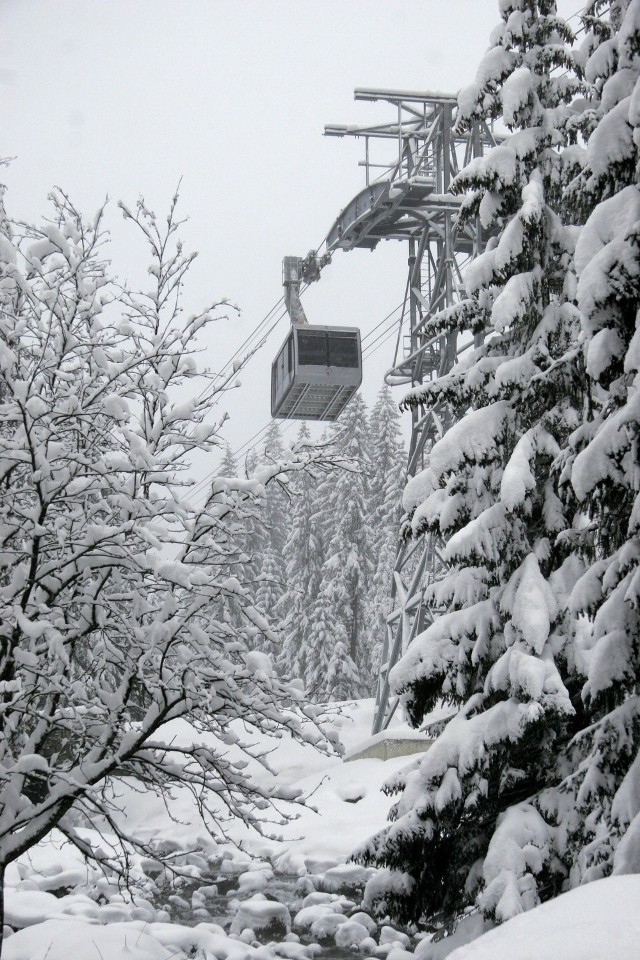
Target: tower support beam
406, 197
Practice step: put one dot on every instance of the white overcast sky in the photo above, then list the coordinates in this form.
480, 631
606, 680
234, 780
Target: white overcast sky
125, 97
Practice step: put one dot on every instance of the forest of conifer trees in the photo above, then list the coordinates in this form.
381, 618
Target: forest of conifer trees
322, 549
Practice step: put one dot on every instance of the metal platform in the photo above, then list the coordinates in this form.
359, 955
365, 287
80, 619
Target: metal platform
381, 211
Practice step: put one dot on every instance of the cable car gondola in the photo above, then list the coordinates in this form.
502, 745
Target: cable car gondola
318, 368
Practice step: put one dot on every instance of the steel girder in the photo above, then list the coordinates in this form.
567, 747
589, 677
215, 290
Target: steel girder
409, 199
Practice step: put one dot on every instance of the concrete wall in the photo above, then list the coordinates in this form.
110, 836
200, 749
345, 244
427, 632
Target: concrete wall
387, 747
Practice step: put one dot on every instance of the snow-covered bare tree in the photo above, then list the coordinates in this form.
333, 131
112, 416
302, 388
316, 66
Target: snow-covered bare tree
109, 575
467, 825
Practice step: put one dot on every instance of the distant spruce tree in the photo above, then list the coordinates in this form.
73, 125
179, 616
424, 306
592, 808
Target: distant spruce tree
388, 475
467, 829
277, 505
236, 561
339, 555
331, 673
303, 557
348, 567
266, 535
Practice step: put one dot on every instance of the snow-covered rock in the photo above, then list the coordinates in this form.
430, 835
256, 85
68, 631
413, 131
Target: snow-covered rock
308, 915
350, 934
26, 907
365, 920
346, 878
295, 951
262, 915
62, 939
318, 896
254, 880
391, 935
326, 926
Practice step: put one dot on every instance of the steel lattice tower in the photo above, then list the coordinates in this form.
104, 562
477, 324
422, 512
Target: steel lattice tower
406, 197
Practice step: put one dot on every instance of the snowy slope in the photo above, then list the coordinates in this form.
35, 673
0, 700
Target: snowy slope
600, 921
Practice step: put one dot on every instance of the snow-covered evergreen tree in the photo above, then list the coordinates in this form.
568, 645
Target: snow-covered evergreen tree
348, 566
303, 556
602, 476
256, 537
500, 654
277, 505
388, 474
326, 636
268, 532
234, 559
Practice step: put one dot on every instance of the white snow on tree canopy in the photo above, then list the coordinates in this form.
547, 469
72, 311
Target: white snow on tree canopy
512, 303
433, 651
473, 438
612, 140
517, 91
529, 600
600, 460
418, 488
518, 479
601, 246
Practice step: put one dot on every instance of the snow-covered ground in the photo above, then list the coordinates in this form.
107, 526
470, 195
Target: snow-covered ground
288, 895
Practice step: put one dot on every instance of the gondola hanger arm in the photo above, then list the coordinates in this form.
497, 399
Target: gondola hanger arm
298, 270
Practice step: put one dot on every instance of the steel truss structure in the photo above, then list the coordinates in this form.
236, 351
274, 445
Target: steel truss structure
406, 197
